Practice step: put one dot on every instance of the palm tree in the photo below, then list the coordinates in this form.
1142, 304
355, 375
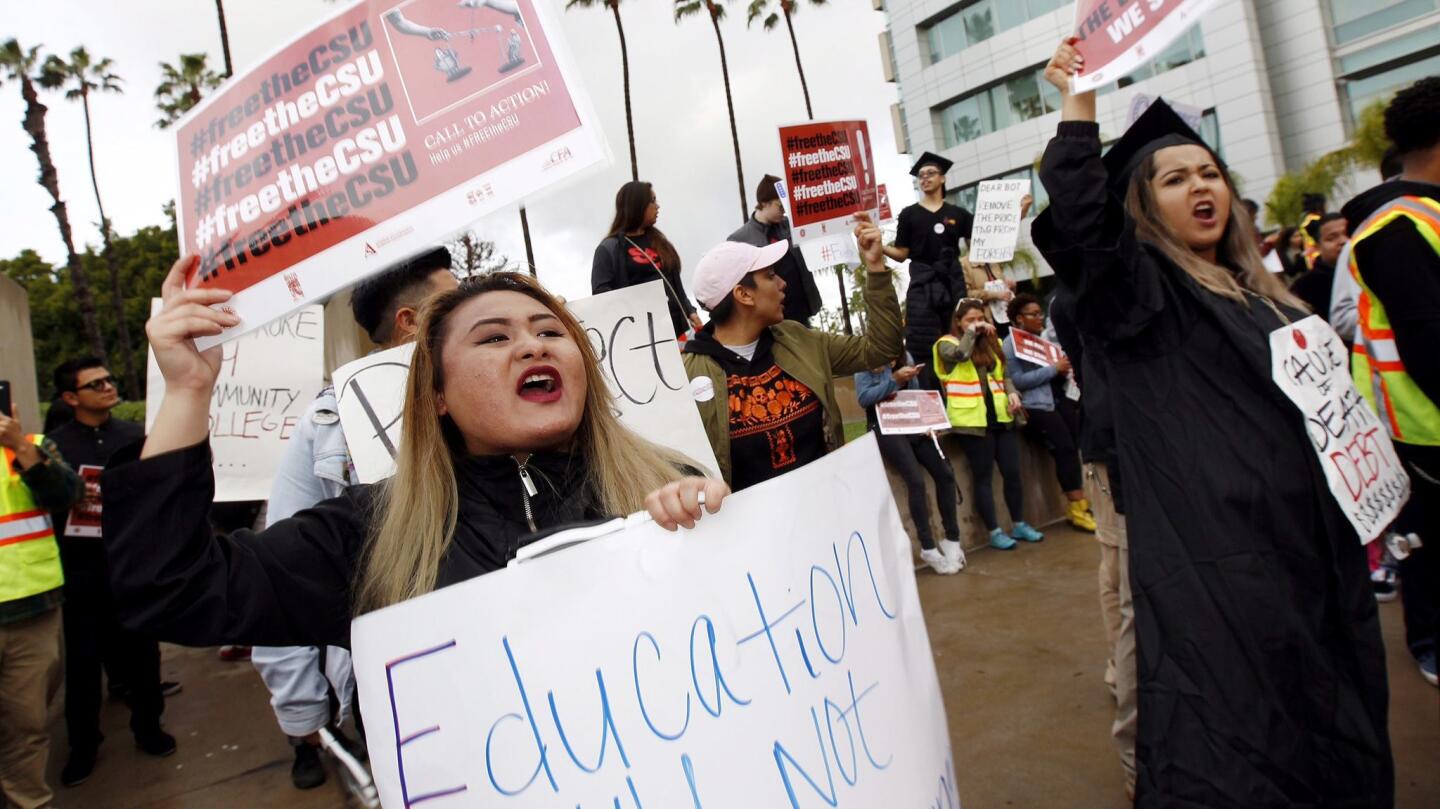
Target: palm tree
787, 9
183, 87
614, 6
84, 77
224, 38
20, 65
684, 8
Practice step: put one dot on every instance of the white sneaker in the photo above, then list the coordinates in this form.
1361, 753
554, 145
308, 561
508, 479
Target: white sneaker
938, 562
952, 550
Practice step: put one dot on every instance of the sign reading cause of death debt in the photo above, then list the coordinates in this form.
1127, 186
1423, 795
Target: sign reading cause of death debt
911, 412
774, 656
1118, 36
638, 355
367, 139
829, 177
1311, 365
997, 220
267, 379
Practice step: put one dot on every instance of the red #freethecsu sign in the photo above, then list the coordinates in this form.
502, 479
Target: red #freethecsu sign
829, 171
364, 140
1118, 36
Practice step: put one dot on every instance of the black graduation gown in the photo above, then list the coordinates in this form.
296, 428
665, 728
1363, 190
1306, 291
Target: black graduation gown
1260, 665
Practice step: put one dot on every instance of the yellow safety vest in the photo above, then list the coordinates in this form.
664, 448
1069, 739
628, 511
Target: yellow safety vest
29, 556
1410, 415
964, 388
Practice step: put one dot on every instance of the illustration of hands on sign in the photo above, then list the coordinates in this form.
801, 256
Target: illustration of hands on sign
447, 59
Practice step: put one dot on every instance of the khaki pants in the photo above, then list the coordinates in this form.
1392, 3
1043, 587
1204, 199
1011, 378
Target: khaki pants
1116, 610
29, 668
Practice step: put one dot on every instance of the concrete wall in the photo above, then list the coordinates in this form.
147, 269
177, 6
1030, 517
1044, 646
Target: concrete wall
17, 352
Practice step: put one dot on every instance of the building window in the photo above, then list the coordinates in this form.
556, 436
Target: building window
1354, 19
1374, 86
1181, 52
971, 22
1027, 95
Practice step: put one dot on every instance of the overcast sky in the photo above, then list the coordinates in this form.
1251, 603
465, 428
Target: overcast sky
682, 132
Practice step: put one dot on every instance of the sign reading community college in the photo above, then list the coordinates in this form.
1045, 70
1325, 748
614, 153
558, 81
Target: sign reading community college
368, 138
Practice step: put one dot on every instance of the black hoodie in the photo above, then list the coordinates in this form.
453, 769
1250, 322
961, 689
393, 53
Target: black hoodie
1403, 271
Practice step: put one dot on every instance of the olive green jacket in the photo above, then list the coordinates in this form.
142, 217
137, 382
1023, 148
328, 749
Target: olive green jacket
813, 358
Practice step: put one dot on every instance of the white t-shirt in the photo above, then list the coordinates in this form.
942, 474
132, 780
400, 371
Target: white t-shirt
747, 351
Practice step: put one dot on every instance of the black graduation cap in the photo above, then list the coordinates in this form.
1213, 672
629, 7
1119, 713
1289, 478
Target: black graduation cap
1157, 128
931, 159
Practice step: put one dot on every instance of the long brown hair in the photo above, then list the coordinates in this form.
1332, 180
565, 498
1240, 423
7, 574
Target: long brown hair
1237, 250
416, 510
987, 350
630, 203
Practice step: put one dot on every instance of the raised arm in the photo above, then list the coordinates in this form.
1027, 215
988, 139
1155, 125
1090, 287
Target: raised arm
882, 340
1085, 233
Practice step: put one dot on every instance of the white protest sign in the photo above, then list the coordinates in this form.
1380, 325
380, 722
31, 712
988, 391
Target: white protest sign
912, 412
997, 220
267, 379
370, 395
774, 656
638, 355
1311, 365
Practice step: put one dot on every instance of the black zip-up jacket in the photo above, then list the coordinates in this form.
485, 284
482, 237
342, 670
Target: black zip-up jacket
1403, 271
292, 584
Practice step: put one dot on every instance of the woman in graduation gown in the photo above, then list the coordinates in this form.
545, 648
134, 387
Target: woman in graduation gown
1261, 670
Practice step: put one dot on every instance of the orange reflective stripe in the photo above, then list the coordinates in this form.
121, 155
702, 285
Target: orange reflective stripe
1395, 431
27, 537
23, 515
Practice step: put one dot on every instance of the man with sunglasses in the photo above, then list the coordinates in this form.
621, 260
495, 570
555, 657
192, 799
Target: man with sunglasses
93, 634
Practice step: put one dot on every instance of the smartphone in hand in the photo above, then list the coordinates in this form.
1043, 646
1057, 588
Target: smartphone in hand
5, 396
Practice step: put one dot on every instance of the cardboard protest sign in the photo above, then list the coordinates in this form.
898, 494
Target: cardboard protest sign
368, 138
638, 355
84, 517
267, 379
1118, 36
882, 201
997, 220
912, 412
829, 177
776, 655
1312, 366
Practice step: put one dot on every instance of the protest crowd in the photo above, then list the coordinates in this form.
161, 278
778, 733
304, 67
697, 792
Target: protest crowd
1237, 595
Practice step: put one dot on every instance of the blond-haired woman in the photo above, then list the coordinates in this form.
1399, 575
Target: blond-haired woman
1261, 672
507, 430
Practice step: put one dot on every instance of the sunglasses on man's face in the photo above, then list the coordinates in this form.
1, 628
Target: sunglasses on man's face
98, 385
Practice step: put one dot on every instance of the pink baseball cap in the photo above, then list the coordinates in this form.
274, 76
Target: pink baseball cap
728, 262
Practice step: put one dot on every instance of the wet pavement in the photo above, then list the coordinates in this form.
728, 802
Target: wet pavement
1018, 645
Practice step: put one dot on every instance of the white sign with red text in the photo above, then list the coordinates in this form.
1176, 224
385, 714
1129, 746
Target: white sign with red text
912, 412
1312, 366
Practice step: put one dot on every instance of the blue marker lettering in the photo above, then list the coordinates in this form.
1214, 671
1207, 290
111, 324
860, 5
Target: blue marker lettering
782, 756
815, 620
640, 696
720, 684
544, 762
607, 728
765, 626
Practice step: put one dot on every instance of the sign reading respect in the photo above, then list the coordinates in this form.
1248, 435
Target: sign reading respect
368, 138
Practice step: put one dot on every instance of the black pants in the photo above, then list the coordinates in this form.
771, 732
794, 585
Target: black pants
93, 636
1420, 573
983, 452
1051, 428
907, 454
